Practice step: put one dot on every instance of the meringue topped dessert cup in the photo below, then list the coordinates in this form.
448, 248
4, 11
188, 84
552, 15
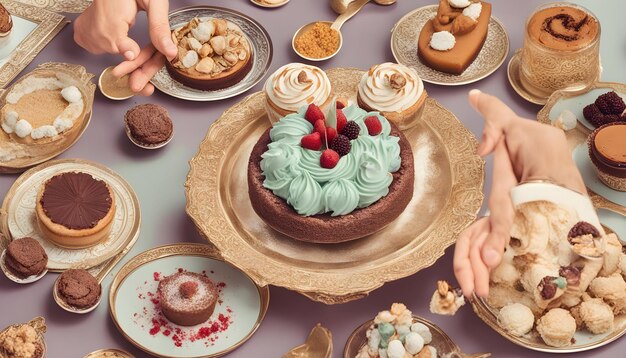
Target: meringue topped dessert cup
293, 86
451, 41
213, 54
561, 49
394, 90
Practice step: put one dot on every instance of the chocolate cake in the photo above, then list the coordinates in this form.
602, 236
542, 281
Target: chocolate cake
187, 298
608, 154
149, 124
78, 288
75, 210
25, 257
326, 228
6, 23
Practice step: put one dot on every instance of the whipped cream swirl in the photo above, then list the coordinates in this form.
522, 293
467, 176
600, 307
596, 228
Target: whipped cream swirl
295, 85
390, 87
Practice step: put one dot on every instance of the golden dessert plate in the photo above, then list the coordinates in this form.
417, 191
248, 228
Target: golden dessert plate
69, 6
241, 301
18, 219
39, 324
441, 341
21, 156
262, 3
109, 353
586, 210
575, 101
404, 48
448, 194
260, 44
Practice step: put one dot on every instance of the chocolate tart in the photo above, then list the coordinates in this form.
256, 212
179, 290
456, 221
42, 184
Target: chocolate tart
26, 257
75, 210
464, 52
607, 150
324, 228
187, 298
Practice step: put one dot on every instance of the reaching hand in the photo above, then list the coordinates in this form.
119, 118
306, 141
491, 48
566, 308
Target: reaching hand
103, 28
522, 150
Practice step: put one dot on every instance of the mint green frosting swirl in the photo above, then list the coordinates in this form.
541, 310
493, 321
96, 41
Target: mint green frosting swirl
305, 195
340, 197
359, 179
280, 166
372, 180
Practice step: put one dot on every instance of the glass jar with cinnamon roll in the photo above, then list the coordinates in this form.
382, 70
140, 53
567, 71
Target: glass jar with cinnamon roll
561, 49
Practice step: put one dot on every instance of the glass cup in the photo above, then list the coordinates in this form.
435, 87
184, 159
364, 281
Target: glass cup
545, 69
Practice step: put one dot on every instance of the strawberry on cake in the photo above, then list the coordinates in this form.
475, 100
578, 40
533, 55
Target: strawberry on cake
330, 178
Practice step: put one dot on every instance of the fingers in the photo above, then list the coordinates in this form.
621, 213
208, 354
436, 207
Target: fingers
128, 48
479, 268
127, 67
462, 265
141, 77
497, 116
501, 207
159, 24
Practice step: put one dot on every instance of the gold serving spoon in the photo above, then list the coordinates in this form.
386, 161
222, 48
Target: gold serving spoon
340, 6
99, 278
353, 7
319, 344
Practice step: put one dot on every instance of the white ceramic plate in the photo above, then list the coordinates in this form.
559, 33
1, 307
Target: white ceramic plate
577, 103
129, 296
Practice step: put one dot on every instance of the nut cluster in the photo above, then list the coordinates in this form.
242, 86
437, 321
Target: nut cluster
209, 46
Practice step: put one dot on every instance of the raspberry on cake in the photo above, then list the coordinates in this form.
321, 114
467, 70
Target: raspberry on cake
351, 186
187, 298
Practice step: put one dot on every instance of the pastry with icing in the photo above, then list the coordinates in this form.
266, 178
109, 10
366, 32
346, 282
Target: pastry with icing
330, 178
394, 90
451, 41
293, 86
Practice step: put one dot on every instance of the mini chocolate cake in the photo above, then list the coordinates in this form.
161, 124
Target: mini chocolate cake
6, 22
607, 150
25, 257
149, 124
187, 298
78, 288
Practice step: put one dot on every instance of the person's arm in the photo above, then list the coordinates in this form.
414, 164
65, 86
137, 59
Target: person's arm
522, 150
103, 28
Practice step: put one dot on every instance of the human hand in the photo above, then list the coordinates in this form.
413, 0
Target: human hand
103, 28
523, 150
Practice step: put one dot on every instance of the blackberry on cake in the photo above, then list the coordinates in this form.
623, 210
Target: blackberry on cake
610, 103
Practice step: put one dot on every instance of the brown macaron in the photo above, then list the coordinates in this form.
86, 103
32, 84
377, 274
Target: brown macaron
78, 288
149, 124
26, 257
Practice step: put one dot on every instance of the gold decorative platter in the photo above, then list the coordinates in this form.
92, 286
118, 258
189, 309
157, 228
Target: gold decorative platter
23, 155
242, 302
33, 29
18, 217
441, 341
404, 48
575, 101
583, 340
448, 194
39, 324
260, 44
69, 6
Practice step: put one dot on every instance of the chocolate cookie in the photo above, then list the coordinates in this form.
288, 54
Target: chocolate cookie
25, 257
149, 124
78, 288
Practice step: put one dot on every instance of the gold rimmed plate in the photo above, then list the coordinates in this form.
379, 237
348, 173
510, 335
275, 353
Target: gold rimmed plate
19, 218
257, 37
18, 155
449, 175
404, 37
109, 353
441, 341
269, 4
240, 309
114, 88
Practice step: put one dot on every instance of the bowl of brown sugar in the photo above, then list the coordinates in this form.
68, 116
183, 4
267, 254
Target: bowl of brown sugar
317, 41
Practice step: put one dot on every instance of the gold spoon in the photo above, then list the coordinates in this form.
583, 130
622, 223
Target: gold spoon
99, 278
352, 9
340, 6
319, 344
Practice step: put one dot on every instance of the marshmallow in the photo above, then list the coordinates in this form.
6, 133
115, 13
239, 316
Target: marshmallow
7, 129
566, 121
23, 128
459, 4
62, 124
423, 331
473, 11
442, 41
194, 44
414, 343
190, 59
44, 131
11, 118
71, 94
396, 349
203, 31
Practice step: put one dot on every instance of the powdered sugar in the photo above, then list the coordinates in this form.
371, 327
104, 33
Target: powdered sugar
178, 302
